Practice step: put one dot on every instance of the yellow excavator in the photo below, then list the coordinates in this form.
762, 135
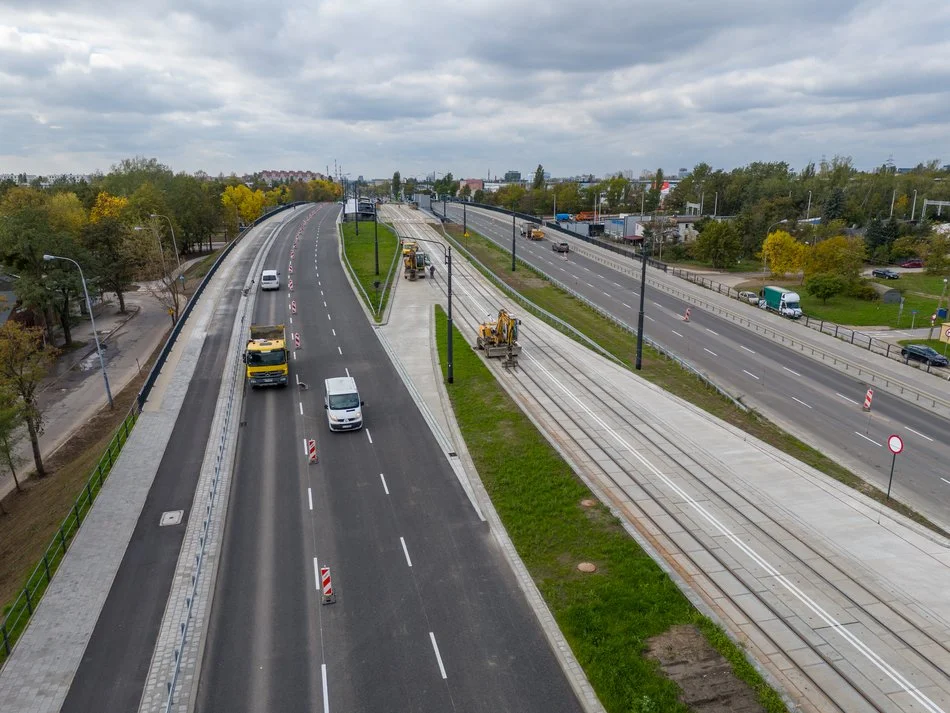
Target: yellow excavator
414, 260
499, 338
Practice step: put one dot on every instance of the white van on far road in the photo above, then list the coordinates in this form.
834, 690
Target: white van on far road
343, 405
270, 280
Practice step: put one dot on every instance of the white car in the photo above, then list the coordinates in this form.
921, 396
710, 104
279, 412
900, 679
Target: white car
751, 297
270, 280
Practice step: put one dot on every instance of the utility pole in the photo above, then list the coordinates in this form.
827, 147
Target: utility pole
716, 204
893, 197
643, 284
376, 238
451, 331
808, 209
512, 242
356, 207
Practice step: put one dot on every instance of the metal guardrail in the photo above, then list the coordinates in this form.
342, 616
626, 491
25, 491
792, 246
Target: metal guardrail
176, 330
560, 323
19, 613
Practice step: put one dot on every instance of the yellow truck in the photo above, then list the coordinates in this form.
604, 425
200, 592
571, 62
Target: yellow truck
265, 356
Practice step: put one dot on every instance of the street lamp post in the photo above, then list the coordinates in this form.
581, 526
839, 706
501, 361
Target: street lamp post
376, 237
464, 222
92, 319
356, 207
643, 285
172, 229
447, 254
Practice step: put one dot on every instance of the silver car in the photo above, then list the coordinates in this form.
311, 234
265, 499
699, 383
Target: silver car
751, 297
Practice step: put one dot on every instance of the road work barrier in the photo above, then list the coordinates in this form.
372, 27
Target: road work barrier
328, 595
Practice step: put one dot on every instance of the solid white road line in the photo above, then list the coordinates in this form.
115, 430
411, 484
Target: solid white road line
945, 481
385, 487
369, 436
801, 402
438, 657
340, 349
676, 333
751, 374
919, 434
710, 351
868, 439
626, 305
326, 697
310, 497
316, 574
711, 331
297, 377
305, 452
405, 551
747, 349
846, 398
347, 371
790, 371
649, 317
301, 408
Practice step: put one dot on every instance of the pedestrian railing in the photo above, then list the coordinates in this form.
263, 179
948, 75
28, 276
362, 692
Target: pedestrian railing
18, 614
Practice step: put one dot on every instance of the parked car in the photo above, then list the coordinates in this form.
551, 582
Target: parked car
751, 297
921, 352
916, 262
560, 247
886, 273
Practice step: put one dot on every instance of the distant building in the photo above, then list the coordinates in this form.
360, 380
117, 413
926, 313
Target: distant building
474, 184
512, 176
273, 177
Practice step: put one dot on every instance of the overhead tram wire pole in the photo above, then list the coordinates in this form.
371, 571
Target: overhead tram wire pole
464, 222
512, 242
92, 319
643, 285
447, 253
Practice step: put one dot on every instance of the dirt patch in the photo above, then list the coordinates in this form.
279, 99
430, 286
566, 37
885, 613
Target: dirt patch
34, 515
704, 676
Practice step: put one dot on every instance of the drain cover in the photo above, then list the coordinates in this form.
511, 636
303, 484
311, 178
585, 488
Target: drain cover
172, 517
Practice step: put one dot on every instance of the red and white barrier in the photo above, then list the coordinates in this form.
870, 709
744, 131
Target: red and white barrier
290, 268
290, 285
867, 399
328, 596
293, 306
686, 316
292, 252
296, 340
312, 450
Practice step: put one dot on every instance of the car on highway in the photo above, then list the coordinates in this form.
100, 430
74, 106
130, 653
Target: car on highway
342, 403
921, 352
560, 247
886, 273
751, 297
915, 262
270, 280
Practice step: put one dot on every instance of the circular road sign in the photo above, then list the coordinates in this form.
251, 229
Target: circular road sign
895, 444
947, 332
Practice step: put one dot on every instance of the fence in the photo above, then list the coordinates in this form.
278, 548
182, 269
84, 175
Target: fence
19, 613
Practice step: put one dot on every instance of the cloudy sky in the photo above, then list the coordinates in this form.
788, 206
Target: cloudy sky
471, 87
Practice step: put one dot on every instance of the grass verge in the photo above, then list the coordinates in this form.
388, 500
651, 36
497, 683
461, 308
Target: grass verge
665, 373
200, 269
606, 617
35, 515
360, 251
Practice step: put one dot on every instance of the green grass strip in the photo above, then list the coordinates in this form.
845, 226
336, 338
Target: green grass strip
666, 373
360, 251
606, 617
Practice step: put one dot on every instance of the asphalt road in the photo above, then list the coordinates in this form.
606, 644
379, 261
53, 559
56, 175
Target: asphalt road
116, 661
428, 615
819, 404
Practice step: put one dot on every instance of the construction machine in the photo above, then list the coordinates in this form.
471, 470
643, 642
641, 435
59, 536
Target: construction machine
499, 338
414, 260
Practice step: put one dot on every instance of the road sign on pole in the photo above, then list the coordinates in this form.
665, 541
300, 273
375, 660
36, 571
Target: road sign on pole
895, 444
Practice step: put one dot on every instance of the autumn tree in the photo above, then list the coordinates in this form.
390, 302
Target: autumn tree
841, 255
23, 365
107, 206
783, 253
66, 213
719, 244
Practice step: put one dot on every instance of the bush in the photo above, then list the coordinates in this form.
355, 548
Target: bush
825, 285
680, 252
862, 289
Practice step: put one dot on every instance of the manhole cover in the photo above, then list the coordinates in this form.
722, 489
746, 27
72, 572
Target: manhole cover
588, 503
587, 567
172, 517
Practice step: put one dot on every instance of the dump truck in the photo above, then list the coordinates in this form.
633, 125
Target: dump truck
265, 356
584, 215
532, 231
499, 338
780, 300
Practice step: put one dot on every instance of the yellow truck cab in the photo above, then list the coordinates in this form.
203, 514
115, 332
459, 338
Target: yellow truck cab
265, 356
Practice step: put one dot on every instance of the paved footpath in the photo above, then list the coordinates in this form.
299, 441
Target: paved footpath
37, 676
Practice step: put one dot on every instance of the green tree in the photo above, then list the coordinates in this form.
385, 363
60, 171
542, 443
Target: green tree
783, 254
935, 255
23, 365
835, 205
397, 184
538, 182
11, 419
718, 244
824, 285
115, 258
874, 234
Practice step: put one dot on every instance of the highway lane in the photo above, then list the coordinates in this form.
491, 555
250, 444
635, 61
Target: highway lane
819, 404
428, 615
117, 657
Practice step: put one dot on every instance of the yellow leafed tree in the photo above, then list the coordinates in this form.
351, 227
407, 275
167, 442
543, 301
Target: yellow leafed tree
783, 253
66, 213
107, 206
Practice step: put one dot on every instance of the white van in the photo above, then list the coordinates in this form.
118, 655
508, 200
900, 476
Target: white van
270, 280
343, 405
